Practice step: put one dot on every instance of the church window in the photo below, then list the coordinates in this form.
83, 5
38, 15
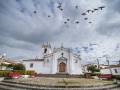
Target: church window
62, 54
115, 70
31, 65
45, 50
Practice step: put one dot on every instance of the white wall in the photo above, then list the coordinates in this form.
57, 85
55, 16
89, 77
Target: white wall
38, 66
72, 67
76, 66
107, 71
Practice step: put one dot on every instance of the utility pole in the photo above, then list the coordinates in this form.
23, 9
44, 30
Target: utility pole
108, 64
98, 63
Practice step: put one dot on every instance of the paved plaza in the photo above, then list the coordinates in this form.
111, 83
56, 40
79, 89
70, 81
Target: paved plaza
62, 81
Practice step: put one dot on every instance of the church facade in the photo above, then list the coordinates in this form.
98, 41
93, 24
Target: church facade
55, 60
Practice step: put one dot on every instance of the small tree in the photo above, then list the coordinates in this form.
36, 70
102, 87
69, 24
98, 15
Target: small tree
93, 68
18, 67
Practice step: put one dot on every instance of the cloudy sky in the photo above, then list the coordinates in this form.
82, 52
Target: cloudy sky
26, 24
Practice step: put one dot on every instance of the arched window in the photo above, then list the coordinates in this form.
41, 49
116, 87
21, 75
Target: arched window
31, 65
115, 70
45, 50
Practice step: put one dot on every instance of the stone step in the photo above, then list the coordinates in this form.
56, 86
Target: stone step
61, 75
4, 87
16, 86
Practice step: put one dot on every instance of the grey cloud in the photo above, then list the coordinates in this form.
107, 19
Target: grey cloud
110, 23
21, 28
113, 5
10, 42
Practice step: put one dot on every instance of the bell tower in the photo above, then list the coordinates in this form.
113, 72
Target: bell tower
46, 48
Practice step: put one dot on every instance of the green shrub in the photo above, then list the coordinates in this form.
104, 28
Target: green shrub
93, 68
18, 67
29, 72
4, 73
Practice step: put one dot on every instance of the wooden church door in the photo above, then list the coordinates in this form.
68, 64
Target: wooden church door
62, 67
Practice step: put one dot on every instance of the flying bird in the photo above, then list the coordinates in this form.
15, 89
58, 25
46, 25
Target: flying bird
89, 22
61, 9
88, 11
101, 7
83, 14
77, 22
95, 9
49, 16
92, 11
76, 7
68, 19
65, 22
58, 6
35, 11
85, 18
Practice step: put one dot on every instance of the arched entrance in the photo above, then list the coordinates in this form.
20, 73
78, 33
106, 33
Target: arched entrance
62, 67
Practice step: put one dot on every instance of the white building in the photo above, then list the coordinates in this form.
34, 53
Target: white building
112, 69
55, 61
105, 69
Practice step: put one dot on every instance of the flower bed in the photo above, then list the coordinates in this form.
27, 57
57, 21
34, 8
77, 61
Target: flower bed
5, 73
106, 76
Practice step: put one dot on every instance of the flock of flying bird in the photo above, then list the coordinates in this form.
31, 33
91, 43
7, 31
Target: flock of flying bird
87, 12
92, 11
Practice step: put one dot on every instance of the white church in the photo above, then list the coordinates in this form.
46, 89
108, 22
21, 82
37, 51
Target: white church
55, 61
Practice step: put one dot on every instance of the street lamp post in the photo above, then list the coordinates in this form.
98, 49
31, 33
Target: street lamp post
107, 60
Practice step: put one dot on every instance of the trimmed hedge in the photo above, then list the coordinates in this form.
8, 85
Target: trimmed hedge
5, 73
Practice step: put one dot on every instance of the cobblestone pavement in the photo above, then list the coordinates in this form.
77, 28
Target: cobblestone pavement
48, 83
62, 81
